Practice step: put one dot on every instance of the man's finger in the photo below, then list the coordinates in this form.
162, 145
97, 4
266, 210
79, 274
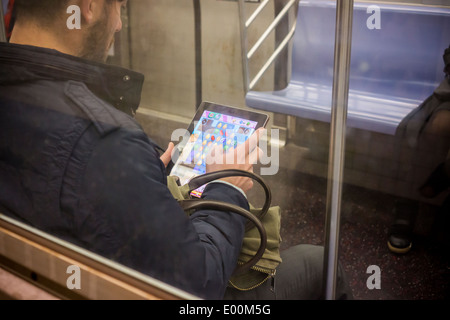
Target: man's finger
256, 154
167, 155
252, 142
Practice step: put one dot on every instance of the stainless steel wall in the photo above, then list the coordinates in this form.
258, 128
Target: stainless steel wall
162, 38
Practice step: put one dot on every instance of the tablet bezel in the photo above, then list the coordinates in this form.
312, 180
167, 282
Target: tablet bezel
260, 118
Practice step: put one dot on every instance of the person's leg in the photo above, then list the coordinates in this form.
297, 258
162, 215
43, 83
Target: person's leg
298, 277
433, 147
401, 231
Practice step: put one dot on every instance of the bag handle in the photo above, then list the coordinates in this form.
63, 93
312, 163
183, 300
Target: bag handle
223, 206
203, 179
254, 219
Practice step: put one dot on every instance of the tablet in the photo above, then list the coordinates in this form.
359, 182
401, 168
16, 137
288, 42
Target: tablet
213, 125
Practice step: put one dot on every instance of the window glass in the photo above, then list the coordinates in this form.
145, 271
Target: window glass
395, 200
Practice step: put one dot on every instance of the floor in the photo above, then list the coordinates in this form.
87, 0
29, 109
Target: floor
422, 273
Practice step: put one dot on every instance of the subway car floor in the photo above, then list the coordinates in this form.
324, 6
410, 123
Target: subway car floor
422, 273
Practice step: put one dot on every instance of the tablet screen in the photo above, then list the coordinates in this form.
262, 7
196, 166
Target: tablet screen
214, 126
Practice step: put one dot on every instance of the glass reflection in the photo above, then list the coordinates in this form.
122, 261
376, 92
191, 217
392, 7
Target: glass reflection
395, 203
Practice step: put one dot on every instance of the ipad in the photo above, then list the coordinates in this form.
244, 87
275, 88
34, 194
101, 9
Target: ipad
213, 125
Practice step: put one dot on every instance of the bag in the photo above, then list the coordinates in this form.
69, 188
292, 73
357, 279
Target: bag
260, 252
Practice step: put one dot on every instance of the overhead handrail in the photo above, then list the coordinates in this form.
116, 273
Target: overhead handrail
247, 55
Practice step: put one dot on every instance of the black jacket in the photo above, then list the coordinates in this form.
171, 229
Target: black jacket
73, 165
413, 124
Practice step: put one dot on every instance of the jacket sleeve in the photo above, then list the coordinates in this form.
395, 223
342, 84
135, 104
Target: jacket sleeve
134, 220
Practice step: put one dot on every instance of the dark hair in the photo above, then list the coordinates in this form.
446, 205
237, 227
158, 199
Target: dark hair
44, 11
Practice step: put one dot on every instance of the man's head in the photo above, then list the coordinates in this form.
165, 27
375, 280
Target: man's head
44, 23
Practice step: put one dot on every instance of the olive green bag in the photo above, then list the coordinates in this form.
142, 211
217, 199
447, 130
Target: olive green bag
260, 252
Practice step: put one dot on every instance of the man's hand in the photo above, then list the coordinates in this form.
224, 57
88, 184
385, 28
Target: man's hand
165, 158
242, 157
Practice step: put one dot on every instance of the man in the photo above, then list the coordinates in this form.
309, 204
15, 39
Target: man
74, 163
424, 135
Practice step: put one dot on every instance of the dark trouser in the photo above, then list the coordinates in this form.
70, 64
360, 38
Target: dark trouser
298, 277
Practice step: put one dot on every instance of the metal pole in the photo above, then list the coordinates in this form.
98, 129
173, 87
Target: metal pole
344, 21
244, 46
2, 24
198, 53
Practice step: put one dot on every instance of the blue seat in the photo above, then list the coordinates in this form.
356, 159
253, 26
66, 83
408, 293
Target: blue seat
393, 69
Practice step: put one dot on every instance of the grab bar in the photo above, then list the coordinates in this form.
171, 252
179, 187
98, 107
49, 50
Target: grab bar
247, 55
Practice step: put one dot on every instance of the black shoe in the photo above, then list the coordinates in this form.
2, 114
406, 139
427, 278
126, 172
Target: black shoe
400, 238
401, 231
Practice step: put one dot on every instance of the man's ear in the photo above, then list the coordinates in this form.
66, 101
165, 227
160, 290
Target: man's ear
88, 10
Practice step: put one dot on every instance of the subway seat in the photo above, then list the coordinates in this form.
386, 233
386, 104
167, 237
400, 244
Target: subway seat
396, 63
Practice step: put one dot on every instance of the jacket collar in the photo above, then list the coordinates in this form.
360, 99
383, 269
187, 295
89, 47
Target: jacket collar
118, 86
